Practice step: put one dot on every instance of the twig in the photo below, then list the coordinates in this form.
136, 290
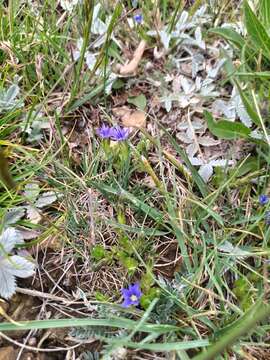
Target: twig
32, 348
43, 295
47, 296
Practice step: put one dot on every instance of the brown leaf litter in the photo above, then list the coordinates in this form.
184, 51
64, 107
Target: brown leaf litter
130, 117
131, 67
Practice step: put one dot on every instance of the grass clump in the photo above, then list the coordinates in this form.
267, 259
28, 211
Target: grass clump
134, 166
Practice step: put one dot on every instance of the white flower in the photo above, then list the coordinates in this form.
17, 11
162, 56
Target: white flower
12, 265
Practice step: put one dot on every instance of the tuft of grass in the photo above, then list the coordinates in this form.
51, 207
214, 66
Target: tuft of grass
137, 210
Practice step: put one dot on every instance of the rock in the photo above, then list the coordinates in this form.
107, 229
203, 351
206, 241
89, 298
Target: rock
8, 353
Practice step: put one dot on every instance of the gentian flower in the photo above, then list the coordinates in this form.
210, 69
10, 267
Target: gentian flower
138, 18
263, 199
131, 295
104, 132
119, 134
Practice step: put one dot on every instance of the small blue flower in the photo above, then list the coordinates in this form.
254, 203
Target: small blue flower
263, 199
104, 132
119, 134
131, 295
138, 18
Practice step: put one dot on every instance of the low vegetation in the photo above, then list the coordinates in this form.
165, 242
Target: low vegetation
134, 179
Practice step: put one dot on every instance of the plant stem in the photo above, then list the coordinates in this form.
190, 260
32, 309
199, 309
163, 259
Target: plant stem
88, 9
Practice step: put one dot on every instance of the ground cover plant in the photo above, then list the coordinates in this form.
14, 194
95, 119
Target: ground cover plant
134, 179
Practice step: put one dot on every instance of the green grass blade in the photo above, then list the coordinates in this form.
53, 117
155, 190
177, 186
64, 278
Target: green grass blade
255, 74
120, 323
264, 9
87, 97
136, 230
231, 334
166, 347
196, 177
209, 211
256, 31
133, 200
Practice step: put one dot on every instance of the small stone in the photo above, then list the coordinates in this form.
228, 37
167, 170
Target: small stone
8, 353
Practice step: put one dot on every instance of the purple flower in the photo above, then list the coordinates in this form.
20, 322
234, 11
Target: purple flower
263, 199
104, 132
131, 295
119, 134
138, 18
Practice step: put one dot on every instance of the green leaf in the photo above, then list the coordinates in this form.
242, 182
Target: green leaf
167, 346
138, 101
231, 35
87, 97
118, 84
225, 129
265, 13
250, 165
256, 31
98, 252
129, 263
249, 105
120, 323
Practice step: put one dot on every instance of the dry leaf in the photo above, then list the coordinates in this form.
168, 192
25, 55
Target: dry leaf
38, 64
184, 138
135, 119
33, 215
131, 67
157, 19
121, 111
208, 141
8, 352
6, 47
28, 234
130, 117
52, 242
149, 182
